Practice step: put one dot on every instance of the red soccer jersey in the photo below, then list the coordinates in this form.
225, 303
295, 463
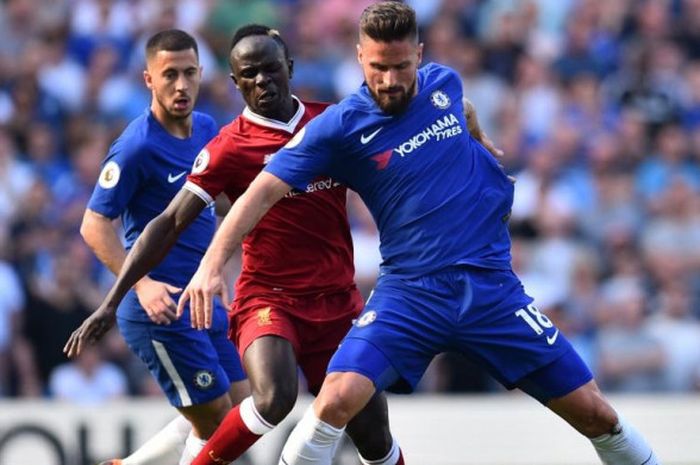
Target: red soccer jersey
303, 244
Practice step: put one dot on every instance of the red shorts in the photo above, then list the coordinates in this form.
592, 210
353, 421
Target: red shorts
314, 339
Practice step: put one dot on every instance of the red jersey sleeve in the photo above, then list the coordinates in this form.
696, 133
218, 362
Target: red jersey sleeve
214, 170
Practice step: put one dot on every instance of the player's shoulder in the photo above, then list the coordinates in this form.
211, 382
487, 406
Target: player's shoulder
134, 139
204, 120
437, 74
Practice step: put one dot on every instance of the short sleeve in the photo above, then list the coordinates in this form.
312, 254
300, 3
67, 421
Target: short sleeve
311, 152
213, 171
123, 172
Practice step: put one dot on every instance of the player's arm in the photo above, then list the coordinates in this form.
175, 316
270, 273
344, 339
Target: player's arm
265, 190
100, 234
150, 248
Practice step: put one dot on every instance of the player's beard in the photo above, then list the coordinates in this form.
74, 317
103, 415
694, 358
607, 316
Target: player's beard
395, 106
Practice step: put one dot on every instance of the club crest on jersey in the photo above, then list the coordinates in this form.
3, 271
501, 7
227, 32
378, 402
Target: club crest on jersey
109, 177
366, 318
440, 100
201, 162
204, 379
264, 316
296, 140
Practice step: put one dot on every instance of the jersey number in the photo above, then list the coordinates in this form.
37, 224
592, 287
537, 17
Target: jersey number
542, 321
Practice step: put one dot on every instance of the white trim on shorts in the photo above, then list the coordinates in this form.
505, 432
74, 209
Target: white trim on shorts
164, 358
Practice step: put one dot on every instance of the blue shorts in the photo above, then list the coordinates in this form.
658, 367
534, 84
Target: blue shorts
192, 367
483, 314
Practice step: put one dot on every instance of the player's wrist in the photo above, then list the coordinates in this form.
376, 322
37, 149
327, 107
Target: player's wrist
141, 283
213, 261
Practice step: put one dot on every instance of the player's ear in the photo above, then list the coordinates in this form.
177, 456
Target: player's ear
359, 53
420, 52
290, 67
148, 79
233, 78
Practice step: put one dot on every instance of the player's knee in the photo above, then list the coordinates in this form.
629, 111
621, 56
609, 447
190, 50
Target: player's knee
275, 402
342, 397
596, 419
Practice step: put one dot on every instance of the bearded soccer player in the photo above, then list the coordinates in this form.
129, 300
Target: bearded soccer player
200, 372
441, 204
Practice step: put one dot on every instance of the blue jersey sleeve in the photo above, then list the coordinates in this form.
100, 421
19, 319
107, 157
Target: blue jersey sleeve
313, 151
123, 172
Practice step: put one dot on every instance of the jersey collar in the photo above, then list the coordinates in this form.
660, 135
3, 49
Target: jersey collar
289, 126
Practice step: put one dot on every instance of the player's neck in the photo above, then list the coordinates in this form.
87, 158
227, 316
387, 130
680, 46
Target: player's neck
176, 127
286, 111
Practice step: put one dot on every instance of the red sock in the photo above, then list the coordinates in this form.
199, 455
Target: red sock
400, 461
230, 440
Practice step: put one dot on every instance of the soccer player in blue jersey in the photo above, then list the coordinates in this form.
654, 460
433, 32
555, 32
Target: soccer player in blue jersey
441, 204
200, 372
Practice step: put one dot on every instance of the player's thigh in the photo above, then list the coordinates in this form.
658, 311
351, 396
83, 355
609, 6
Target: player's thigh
504, 332
183, 361
261, 316
270, 362
269, 342
403, 326
320, 338
557, 379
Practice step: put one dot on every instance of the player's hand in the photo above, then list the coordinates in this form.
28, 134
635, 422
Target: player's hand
154, 297
204, 285
91, 331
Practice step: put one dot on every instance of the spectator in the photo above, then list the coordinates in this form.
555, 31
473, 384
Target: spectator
88, 380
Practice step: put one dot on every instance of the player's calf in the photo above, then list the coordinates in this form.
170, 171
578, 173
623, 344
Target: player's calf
586, 410
616, 442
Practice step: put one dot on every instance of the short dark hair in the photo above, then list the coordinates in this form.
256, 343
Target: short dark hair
389, 21
170, 40
258, 30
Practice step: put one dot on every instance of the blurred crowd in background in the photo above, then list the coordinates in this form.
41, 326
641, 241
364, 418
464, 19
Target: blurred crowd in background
596, 104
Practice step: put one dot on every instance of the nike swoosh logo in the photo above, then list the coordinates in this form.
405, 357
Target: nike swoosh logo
366, 139
172, 179
551, 339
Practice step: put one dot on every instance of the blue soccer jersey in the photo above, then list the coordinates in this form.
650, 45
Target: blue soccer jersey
145, 168
455, 215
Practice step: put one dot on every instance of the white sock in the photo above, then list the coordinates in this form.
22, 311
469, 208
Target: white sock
193, 446
390, 459
312, 442
165, 447
252, 419
626, 447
